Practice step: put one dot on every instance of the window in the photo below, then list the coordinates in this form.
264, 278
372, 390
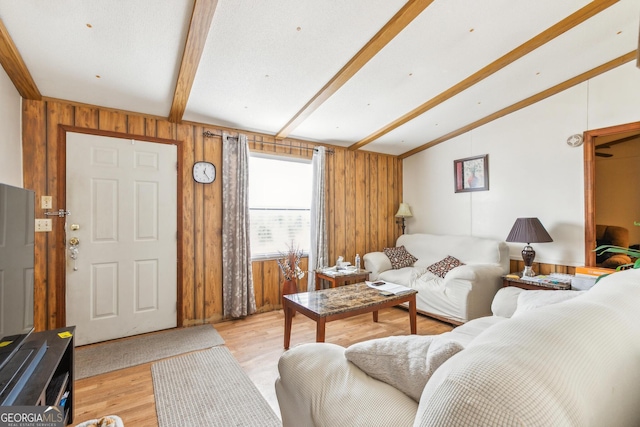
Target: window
279, 204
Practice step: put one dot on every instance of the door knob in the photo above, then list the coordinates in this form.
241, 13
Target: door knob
74, 241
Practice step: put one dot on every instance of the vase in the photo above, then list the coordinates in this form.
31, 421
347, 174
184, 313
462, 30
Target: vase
289, 286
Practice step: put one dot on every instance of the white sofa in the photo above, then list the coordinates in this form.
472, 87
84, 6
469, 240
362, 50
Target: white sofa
465, 292
573, 363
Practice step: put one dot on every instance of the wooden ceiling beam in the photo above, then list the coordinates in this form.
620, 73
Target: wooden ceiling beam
201, 19
391, 29
549, 34
527, 102
15, 67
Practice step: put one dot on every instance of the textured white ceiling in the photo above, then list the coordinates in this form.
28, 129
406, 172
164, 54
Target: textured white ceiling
264, 60
573, 53
134, 46
259, 69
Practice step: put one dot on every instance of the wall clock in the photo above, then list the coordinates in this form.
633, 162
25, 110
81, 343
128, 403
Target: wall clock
204, 172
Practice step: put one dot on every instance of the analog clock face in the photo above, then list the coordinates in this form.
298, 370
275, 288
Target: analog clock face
204, 172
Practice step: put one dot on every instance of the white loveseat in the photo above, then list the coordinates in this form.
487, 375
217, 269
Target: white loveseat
572, 363
465, 292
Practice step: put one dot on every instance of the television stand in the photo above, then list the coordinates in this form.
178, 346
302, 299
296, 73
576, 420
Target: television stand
41, 372
19, 369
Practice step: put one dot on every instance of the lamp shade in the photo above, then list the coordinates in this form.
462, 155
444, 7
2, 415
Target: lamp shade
404, 211
528, 230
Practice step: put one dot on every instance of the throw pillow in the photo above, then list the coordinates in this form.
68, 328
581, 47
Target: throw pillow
404, 362
440, 350
399, 257
442, 267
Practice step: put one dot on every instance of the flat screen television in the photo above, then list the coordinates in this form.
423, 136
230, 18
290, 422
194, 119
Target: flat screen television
17, 232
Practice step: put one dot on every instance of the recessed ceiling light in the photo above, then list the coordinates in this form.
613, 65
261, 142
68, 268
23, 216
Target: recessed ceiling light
97, 76
298, 28
266, 75
410, 74
471, 30
538, 73
479, 102
89, 26
619, 32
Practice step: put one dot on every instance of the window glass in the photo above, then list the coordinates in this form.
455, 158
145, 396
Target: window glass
279, 204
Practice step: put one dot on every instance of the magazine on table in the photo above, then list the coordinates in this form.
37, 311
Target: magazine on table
333, 271
394, 288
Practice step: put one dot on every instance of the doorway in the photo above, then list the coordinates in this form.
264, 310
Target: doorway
598, 138
121, 236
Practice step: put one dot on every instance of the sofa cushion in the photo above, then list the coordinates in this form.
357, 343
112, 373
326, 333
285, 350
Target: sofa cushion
506, 301
318, 386
399, 257
404, 362
442, 267
468, 249
402, 276
531, 300
574, 363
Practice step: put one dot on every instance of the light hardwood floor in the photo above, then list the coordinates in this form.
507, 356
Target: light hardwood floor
256, 342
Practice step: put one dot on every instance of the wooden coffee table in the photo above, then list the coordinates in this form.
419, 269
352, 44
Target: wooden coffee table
342, 302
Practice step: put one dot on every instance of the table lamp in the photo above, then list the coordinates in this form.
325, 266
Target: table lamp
528, 230
403, 212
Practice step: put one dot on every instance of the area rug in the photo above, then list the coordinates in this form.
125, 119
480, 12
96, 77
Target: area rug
208, 388
114, 355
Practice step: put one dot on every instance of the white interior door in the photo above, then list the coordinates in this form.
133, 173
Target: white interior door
122, 197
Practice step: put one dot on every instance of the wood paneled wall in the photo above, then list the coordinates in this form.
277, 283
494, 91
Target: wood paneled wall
541, 268
364, 190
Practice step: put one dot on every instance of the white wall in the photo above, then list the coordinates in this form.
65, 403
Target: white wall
10, 139
532, 171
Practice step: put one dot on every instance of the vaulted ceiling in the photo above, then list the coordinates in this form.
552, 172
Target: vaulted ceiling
389, 76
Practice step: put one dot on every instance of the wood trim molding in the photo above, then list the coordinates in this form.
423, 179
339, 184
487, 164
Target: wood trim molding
15, 67
589, 184
549, 34
199, 26
527, 102
60, 244
112, 134
391, 29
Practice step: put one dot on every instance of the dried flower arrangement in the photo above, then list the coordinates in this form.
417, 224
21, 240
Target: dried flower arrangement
289, 263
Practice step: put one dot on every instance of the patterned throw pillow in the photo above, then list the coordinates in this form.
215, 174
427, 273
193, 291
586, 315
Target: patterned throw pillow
442, 267
399, 257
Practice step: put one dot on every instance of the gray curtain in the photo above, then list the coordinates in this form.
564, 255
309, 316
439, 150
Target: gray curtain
238, 296
318, 256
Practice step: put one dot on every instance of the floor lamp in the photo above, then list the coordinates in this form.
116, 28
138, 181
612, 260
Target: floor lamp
403, 212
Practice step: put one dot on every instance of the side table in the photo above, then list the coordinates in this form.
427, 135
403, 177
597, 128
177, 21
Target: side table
515, 279
341, 279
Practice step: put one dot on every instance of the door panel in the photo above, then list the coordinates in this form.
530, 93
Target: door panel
123, 196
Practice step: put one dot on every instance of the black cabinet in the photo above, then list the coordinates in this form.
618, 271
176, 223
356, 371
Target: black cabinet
49, 379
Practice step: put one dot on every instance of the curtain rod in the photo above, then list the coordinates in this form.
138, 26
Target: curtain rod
209, 134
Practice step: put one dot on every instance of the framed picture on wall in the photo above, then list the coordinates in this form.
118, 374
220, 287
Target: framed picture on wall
471, 174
